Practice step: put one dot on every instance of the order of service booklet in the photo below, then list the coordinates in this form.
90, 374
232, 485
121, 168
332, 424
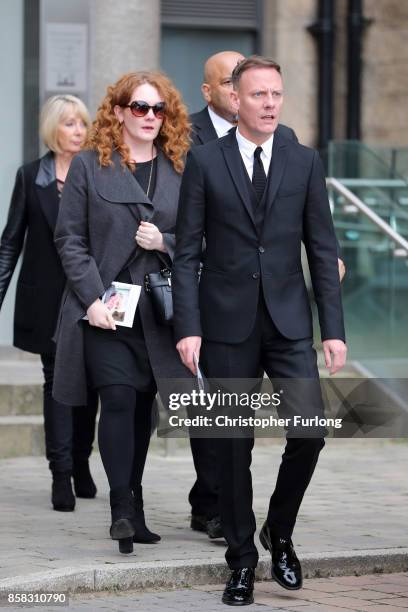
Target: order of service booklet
122, 300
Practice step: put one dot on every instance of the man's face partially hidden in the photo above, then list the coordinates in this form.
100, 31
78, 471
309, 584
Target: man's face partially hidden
217, 89
258, 101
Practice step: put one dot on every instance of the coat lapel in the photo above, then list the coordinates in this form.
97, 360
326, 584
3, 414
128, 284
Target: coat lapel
117, 184
167, 185
46, 189
236, 168
203, 126
278, 164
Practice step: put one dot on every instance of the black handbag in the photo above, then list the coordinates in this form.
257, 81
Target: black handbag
158, 285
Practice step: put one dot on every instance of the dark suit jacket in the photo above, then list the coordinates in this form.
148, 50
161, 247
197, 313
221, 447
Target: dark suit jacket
203, 130
215, 202
101, 208
32, 216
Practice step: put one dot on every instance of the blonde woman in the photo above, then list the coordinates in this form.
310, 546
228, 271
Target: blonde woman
69, 432
118, 211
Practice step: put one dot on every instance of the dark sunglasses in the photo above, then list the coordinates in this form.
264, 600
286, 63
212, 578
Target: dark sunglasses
140, 108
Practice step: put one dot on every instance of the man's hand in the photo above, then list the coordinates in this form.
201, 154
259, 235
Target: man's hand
149, 237
186, 348
335, 352
342, 268
100, 316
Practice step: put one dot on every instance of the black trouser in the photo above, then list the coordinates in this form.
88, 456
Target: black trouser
69, 430
124, 434
203, 496
280, 358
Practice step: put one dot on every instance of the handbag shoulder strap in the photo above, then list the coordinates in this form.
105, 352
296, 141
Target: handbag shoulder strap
163, 260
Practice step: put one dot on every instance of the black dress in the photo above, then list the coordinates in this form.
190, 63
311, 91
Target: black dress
120, 357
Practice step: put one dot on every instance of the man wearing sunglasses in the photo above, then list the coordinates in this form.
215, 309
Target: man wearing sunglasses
215, 121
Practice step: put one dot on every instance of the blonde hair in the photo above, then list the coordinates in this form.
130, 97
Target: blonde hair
106, 132
53, 112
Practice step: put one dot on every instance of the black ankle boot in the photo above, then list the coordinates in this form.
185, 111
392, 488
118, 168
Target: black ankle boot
142, 534
84, 485
122, 528
62, 497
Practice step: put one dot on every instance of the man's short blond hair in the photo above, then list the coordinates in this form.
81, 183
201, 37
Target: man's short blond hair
53, 112
253, 61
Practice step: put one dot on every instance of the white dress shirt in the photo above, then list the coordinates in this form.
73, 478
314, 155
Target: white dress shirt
247, 149
221, 125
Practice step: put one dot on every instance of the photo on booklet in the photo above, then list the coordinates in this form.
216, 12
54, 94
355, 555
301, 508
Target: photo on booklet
122, 299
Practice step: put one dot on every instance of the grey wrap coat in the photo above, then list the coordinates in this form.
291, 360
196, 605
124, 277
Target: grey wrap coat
100, 211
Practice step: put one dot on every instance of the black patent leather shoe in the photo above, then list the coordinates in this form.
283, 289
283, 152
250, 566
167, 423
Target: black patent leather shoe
285, 569
239, 590
214, 528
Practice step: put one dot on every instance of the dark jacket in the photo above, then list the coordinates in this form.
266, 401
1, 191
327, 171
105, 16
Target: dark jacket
203, 130
242, 258
101, 208
32, 217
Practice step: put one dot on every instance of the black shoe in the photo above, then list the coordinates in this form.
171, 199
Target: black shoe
239, 590
214, 528
84, 485
122, 528
199, 522
142, 534
285, 569
62, 496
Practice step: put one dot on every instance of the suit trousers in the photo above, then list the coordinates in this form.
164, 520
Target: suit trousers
203, 496
281, 358
69, 430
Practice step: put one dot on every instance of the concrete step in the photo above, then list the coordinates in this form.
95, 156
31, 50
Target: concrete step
20, 383
20, 400
21, 436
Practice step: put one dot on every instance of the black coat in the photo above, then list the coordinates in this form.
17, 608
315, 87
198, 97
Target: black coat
241, 258
203, 130
101, 209
32, 217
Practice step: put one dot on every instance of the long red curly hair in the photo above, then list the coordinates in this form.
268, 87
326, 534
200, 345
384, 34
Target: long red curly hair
105, 134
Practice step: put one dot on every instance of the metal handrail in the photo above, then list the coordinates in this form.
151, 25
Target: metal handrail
368, 212
386, 183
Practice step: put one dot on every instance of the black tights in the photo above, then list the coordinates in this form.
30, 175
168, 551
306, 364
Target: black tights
124, 433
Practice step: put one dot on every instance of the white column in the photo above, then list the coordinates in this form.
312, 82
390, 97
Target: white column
125, 36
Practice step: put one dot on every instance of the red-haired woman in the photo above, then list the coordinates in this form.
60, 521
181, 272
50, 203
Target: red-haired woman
118, 210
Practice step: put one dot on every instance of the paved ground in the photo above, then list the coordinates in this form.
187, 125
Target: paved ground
357, 501
383, 593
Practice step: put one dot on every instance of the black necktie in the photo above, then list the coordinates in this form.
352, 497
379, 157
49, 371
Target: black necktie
258, 175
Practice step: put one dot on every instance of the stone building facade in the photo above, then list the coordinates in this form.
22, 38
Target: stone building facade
177, 35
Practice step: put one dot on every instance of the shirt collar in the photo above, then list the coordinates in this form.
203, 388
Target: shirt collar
221, 125
247, 147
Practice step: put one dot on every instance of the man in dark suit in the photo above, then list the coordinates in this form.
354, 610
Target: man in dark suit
255, 195
214, 121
